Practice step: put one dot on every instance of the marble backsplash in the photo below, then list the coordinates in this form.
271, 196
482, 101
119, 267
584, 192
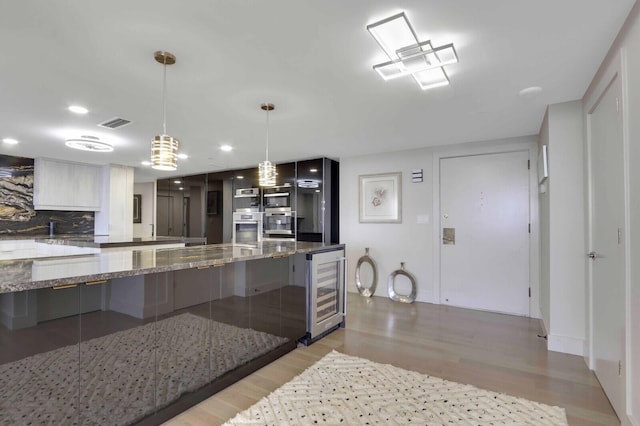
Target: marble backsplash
17, 215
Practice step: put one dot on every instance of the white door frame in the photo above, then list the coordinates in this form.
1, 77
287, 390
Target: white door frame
616, 69
508, 145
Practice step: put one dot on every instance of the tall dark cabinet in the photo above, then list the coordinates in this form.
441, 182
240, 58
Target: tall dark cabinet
181, 205
317, 205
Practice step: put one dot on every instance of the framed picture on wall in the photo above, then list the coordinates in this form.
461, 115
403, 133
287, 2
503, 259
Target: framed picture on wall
137, 208
380, 198
213, 202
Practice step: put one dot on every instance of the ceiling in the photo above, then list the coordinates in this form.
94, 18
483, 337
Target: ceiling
312, 59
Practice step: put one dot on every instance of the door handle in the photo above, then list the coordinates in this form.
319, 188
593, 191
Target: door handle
592, 255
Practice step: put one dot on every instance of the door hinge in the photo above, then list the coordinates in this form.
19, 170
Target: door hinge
528, 164
293, 268
529, 291
529, 228
619, 368
617, 104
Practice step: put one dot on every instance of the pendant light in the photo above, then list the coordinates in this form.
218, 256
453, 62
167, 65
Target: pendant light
164, 148
266, 169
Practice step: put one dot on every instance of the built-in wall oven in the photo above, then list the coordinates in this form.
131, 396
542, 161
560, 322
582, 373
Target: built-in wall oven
247, 227
247, 200
279, 224
277, 198
326, 298
279, 219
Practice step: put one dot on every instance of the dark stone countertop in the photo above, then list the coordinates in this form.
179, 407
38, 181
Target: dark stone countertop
103, 241
29, 274
109, 241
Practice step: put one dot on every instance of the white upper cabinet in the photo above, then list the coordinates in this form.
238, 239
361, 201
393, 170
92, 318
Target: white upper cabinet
60, 185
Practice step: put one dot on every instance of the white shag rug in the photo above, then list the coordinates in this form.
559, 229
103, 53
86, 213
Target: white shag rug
118, 379
347, 390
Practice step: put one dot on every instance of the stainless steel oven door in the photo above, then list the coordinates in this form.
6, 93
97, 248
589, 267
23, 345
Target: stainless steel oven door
247, 228
278, 223
246, 232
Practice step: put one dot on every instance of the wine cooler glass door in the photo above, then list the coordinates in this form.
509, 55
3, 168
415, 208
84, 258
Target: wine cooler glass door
327, 291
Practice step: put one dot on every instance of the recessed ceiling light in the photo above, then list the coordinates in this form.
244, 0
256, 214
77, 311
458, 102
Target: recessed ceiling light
89, 143
226, 148
181, 188
317, 190
240, 177
145, 163
177, 181
183, 156
530, 92
10, 141
313, 170
78, 109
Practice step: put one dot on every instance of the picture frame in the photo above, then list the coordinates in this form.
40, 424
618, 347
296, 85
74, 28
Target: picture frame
380, 198
137, 208
543, 164
213, 203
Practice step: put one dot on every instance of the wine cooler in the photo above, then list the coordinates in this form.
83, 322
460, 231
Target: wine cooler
326, 296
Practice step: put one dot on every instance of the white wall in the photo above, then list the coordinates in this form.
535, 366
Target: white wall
390, 243
416, 244
148, 192
545, 275
631, 113
625, 56
562, 229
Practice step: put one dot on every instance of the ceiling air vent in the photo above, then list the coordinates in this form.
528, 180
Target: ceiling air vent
114, 123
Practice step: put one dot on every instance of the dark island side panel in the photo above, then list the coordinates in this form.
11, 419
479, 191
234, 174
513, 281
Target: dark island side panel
17, 216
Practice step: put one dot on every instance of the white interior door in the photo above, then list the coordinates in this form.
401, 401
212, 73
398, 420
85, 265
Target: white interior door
607, 279
484, 216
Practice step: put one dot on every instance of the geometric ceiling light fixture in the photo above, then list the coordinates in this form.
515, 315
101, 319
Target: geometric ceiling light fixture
409, 56
164, 148
266, 169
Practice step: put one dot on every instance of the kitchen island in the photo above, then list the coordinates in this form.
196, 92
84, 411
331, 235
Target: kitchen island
147, 332
36, 246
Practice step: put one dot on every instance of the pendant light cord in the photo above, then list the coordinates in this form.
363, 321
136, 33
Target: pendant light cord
164, 97
267, 153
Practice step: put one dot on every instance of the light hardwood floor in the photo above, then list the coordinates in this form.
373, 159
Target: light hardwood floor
491, 351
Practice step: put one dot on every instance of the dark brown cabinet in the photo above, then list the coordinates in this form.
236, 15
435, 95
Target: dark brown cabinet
203, 205
317, 200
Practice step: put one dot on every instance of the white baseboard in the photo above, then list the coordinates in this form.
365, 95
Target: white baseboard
565, 344
628, 421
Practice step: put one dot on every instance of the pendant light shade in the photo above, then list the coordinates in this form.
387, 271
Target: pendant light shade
266, 169
164, 148
164, 152
267, 173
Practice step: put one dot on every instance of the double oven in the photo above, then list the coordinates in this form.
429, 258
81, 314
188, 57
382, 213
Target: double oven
279, 219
